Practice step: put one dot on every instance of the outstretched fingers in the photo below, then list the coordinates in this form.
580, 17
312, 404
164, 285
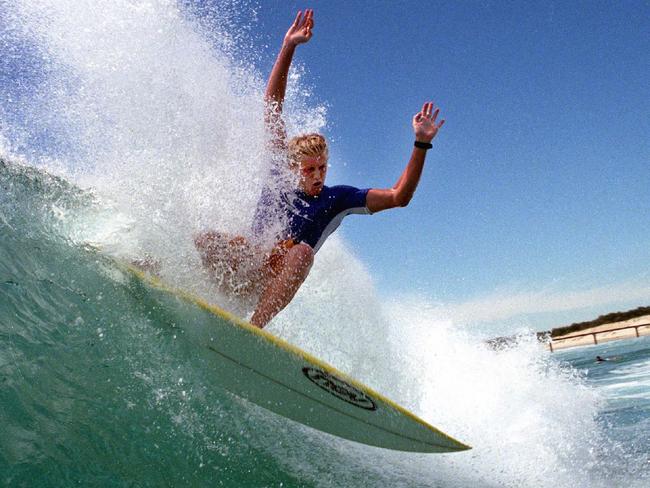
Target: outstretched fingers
309, 20
424, 108
427, 110
306, 20
296, 22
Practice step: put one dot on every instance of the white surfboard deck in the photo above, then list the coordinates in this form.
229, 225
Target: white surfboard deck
268, 371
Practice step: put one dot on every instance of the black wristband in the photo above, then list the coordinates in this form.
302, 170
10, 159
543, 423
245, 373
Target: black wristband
423, 145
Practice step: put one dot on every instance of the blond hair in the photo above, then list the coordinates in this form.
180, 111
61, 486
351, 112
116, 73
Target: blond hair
310, 145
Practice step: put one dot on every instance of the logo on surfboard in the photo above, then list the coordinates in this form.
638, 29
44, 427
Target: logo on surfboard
339, 388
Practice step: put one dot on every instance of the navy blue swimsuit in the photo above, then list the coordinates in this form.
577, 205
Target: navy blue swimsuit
307, 218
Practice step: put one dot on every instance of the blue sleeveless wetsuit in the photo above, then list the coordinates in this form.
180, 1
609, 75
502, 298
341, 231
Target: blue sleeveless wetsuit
307, 218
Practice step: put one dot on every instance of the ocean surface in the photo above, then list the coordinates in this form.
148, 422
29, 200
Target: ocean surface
99, 388
623, 381
121, 129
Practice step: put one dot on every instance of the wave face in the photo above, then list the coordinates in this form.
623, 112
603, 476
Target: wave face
145, 106
91, 375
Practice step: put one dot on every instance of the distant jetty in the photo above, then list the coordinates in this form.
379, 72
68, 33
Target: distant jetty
623, 329
610, 327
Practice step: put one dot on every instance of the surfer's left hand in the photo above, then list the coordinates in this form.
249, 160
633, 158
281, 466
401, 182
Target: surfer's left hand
300, 31
424, 123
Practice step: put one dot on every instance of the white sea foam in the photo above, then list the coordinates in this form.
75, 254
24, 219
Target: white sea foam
531, 422
628, 382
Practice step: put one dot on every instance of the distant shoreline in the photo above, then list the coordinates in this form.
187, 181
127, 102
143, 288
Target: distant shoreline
602, 333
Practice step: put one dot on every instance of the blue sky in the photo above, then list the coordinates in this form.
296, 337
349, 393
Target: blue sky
538, 182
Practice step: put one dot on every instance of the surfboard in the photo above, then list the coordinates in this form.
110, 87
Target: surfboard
253, 364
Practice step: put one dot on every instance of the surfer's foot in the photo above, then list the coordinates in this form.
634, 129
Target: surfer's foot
217, 249
148, 264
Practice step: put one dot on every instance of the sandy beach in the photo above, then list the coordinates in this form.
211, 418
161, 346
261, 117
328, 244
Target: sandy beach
603, 333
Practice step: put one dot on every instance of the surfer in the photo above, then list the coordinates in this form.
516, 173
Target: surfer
310, 211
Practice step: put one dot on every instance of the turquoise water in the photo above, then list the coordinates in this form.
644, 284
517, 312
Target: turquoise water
99, 388
96, 388
624, 381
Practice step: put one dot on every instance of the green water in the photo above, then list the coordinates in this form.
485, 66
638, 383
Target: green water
96, 387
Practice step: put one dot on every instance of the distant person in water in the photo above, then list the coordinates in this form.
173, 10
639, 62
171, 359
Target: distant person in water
308, 213
600, 359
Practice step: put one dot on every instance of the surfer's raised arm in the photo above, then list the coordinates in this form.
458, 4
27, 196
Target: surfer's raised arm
299, 33
425, 128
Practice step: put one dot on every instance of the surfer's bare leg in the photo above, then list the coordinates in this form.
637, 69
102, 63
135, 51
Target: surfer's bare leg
279, 289
148, 264
223, 255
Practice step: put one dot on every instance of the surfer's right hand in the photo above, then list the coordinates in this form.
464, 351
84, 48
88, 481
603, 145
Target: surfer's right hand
300, 31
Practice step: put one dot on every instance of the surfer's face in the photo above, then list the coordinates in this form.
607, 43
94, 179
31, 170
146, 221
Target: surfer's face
312, 174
